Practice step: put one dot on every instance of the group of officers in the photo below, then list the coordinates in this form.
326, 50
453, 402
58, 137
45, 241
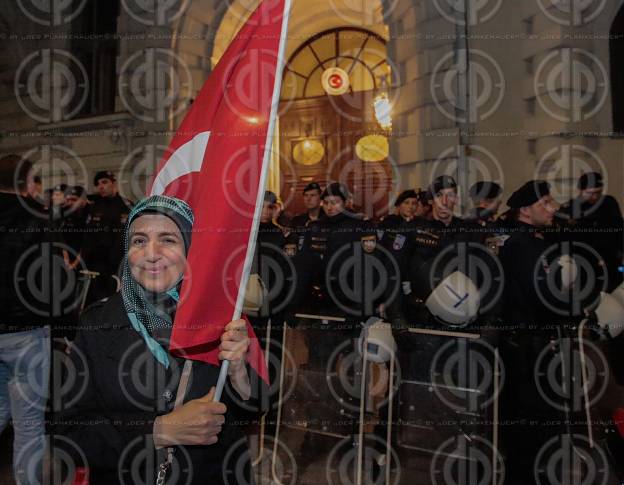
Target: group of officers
531, 274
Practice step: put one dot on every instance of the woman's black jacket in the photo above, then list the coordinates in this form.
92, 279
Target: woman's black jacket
111, 391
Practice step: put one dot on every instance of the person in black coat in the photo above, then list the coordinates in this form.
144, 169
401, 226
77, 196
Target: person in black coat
120, 419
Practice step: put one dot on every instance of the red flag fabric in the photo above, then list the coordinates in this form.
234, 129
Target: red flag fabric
217, 162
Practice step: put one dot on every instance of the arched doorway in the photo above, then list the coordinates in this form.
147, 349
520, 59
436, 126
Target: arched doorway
328, 128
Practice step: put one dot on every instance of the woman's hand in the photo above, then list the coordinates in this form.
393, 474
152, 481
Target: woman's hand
197, 422
234, 347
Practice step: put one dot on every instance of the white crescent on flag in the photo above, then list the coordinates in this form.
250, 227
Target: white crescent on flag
186, 159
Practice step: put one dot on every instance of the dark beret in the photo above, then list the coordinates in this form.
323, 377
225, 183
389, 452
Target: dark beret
336, 189
270, 197
312, 186
403, 196
485, 190
104, 174
77, 191
442, 182
529, 194
590, 180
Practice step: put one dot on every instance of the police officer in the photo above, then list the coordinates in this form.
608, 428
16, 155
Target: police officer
431, 240
595, 219
102, 247
395, 234
312, 203
532, 326
327, 243
485, 196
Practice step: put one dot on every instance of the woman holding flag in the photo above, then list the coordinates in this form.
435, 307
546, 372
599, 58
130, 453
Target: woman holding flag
138, 407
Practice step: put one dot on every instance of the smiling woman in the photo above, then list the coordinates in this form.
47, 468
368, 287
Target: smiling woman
122, 416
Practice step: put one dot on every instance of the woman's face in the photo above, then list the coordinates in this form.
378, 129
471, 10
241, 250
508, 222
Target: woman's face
156, 252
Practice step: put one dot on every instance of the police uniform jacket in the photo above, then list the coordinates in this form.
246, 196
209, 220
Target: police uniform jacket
102, 248
118, 390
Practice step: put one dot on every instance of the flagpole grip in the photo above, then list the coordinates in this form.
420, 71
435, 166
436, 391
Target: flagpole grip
223, 373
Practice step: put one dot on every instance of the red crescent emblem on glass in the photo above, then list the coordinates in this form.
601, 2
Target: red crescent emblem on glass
335, 81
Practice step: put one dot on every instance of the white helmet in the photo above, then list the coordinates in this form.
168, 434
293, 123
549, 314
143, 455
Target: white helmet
380, 344
255, 293
569, 271
610, 314
455, 300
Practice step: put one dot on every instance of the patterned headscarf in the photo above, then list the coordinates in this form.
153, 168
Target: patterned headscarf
151, 314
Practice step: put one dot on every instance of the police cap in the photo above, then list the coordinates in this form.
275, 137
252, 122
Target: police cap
312, 186
403, 196
104, 174
529, 194
442, 182
485, 190
590, 180
336, 189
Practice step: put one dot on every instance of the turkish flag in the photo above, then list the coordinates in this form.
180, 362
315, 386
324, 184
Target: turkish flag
217, 162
